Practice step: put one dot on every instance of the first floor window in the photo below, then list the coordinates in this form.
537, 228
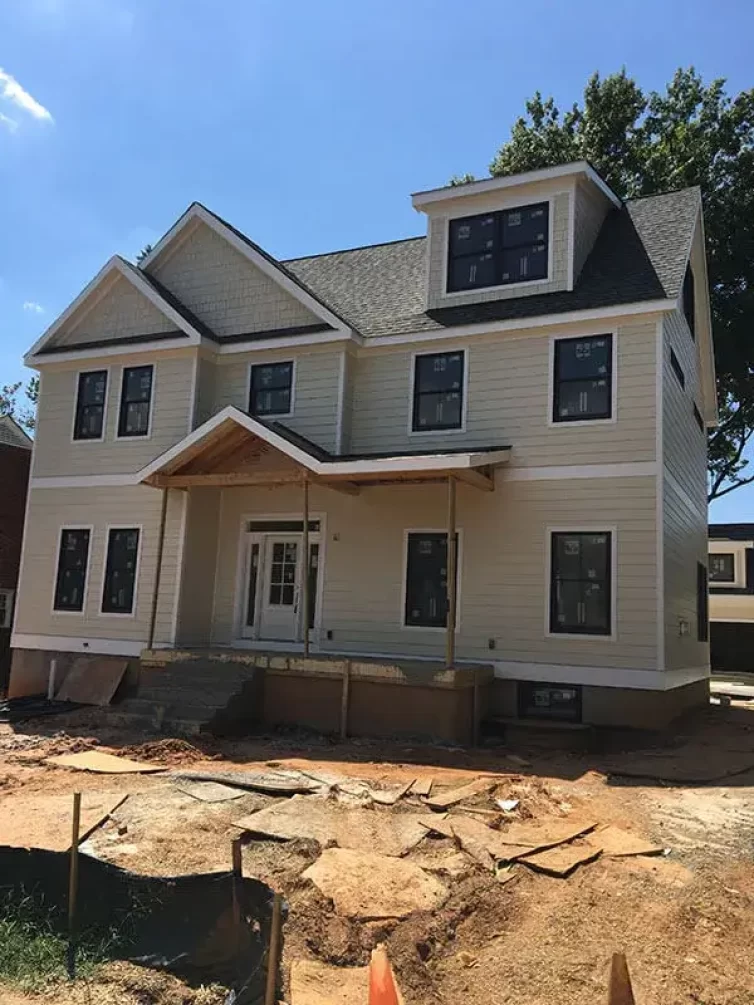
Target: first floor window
722, 568
580, 583
73, 561
427, 580
438, 391
120, 571
702, 603
6, 608
135, 401
271, 389
583, 378
89, 422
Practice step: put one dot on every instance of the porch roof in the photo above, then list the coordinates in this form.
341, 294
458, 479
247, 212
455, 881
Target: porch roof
232, 448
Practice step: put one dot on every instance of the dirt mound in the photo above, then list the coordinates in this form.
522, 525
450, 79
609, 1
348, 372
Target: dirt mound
169, 751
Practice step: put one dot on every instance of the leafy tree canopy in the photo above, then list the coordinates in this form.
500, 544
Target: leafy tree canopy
25, 415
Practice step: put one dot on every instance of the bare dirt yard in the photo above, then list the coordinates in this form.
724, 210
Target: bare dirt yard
470, 906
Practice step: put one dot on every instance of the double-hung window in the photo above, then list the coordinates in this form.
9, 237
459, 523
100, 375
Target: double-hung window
722, 567
583, 379
89, 421
438, 391
120, 571
580, 583
73, 563
135, 401
427, 580
496, 249
271, 389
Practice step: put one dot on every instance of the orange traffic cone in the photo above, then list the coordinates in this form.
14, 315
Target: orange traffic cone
383, 989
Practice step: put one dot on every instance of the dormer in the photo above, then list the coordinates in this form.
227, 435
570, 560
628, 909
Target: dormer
510, 237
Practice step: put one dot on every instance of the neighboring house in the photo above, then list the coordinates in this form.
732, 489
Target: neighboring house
505, 419
731, 604
15, 459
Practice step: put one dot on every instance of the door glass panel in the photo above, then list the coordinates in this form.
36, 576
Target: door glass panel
283, 574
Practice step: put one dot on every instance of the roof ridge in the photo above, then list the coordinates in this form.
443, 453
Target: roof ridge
660, 195
359, 247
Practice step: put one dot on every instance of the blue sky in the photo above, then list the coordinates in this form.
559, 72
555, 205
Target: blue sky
306, 124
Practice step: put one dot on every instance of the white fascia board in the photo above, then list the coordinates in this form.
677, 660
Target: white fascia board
420, 200
273, 271
115, 265
76, 644
283, 342
417, 463
120, 349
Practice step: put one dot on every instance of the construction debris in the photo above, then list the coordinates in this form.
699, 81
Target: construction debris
92, 681
389, 797
614, 842
315, 983
562, 860
107, 764
508, 805
539, 835
422, 787
475, 788
370, 887
210, 792
274, 783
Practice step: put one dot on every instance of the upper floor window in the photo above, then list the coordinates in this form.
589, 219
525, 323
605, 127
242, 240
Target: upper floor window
89, 421
580, 583
120, 571
271, 389
438, 391
73, 562
688, 299
495, 249
722, 567
135, 401
583, 376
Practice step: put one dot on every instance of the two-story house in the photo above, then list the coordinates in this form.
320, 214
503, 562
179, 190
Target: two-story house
485, 447
731, 602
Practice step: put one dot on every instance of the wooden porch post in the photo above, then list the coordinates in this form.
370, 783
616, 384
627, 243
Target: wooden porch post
158, 571
452, 585
305, 567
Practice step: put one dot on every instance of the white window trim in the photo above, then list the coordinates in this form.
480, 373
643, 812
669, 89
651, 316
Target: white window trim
143, 436
77, 376
583, 529
137, 571
464, 392
273, 416
502, 207
738, 550
56, 558
569, 424
436, 629
8, 620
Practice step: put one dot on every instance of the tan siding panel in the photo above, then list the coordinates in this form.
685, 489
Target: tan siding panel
197, 589
205, 392
591, 207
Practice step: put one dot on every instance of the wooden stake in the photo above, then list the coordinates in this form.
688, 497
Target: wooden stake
452, 585
620, 991
305, 567
73, 884
274, 950
344, 696
237, 858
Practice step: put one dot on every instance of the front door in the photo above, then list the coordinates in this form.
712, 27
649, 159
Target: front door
281, 594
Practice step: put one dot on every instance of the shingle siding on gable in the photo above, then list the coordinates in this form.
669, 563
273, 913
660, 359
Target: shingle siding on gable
225, 290
121, 312
438, 260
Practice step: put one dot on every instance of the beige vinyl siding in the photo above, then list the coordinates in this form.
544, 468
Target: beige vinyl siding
731, 607
315, 401
224, 289
52, 509
684, 498
590, 209
350, 365
56, 452
438, 252
205, 390
198, 575
509, 400
504, 595
121, 311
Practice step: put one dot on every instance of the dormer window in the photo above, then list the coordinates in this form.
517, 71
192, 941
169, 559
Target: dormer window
497, 249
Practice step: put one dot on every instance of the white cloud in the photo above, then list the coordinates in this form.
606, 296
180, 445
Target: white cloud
10, 124
11, 90
30, 305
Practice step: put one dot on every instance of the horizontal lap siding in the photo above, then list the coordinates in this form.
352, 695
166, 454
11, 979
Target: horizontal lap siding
510, 402
685, 512
56, 454
503, 566
198, 574
315, 408
51, 509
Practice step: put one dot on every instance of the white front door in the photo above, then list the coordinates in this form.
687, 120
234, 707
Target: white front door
280, 597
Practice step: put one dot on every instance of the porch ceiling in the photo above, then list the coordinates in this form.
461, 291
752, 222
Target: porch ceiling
232, 448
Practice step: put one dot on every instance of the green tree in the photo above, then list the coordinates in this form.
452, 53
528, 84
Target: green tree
143, 253
641, 144
9, 404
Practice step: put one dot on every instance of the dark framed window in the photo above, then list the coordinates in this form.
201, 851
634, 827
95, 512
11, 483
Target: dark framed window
580, 585
549, 701
702, 603
73, 563
135, 401
120, 570
583, 379
495, 249
688, 300
438, 391
722, 567
427, 579
677, 369
271, 389
89, 423
698, 419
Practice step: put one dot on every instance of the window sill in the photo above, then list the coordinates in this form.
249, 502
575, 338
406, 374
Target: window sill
588, 636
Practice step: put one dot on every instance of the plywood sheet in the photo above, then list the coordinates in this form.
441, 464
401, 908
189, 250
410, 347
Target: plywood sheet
368, 886
614, 842
561, 861
443, 800
92, 681
545, 833
46, 821
107, 764
315, 983
210, 792
480, 841
422, 787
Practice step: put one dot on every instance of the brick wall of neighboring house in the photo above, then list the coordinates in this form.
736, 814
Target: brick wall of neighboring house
14, 479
